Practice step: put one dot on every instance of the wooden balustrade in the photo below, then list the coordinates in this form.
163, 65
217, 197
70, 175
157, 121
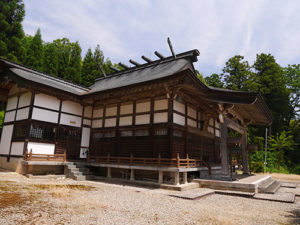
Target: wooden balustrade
137, 161
44, 157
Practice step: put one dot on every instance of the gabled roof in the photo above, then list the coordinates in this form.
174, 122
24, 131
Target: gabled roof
28, 74
149, 71
141, 75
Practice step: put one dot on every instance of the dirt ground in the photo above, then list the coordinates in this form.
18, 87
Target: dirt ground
64, 201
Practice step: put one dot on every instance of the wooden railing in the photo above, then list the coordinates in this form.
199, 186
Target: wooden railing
162, 162
45, 157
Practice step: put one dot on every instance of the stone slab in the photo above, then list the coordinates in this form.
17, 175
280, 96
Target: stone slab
288, 185
235, 193
193, 194
278, 197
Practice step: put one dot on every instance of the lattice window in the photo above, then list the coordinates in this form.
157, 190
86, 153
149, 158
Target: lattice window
161, 131
40, 131
126, 133
97, 136
140, 133
110, 134
177, 133
20, 131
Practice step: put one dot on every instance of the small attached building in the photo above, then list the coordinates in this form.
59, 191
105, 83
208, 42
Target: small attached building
157, 110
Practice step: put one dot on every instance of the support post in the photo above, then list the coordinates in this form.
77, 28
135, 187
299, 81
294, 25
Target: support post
108, 172
176, 178
160, 177
245, 154
223, 148
132, 174
185, 178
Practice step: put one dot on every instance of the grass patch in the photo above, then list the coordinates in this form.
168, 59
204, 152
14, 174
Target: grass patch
66, 186
14, 199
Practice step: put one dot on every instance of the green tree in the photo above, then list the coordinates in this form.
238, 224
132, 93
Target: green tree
292, 76
68, 59
11, 31
281, 143
50, 59
73, 70
34, 52
269, 80
236, 73
214, 80
89, 73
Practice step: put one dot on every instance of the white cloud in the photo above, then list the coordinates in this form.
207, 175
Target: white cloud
129, 29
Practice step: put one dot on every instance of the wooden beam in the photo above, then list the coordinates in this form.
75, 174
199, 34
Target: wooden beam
235, 126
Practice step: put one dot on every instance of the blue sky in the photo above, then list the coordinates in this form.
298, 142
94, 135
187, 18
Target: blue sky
127, 29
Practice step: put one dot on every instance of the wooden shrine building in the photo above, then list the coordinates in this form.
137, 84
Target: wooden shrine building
149, 114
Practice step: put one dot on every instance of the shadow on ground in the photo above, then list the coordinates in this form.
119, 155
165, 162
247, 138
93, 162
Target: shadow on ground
294, 216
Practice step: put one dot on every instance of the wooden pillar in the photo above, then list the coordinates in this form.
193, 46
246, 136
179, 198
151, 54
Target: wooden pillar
132, 174
108, 172
160, 177
223, 148
244, 152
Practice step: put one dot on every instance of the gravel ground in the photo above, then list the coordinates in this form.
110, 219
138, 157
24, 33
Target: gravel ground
64, 201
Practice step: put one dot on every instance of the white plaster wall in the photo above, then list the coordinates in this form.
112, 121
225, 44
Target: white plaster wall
12, 103
110, 122
160, 117
217, 125
87, 122
125, 121
111, 111
97, 124
9, 116
210, 129
88, 111
41, 148
178, 106
46, 101
192, 112
126, 109
83, 153
17, 148
211, 122
14, 90
218, 133
71, 107
161, 104
142, 119
5, 139
85, 138
178, 119
70, 120
192, 123
23, 114
25, 99
98, 113
44, 115
143, 107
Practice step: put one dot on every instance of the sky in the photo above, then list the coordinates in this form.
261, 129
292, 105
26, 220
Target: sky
128, 29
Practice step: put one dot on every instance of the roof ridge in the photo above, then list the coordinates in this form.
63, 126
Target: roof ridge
155, 62
43, 74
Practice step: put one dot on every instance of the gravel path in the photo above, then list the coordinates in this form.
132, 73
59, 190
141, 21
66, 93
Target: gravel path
66, 201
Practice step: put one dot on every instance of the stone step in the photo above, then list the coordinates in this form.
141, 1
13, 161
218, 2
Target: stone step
262, 187
272, 189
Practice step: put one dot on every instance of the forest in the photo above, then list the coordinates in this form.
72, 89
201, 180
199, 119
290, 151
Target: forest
279, 85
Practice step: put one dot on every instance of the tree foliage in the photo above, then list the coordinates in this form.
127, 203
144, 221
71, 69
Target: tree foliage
236, 73
11, 31
34, 51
